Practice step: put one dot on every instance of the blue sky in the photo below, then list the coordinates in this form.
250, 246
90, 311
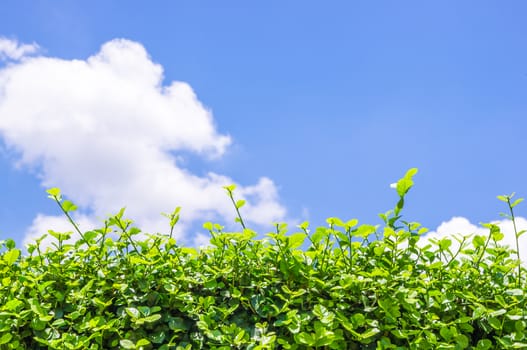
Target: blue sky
312, 108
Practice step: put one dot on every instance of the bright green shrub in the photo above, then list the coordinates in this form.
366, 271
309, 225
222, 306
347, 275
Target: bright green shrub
343, 286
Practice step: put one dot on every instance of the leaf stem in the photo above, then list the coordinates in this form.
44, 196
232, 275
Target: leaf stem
71, 220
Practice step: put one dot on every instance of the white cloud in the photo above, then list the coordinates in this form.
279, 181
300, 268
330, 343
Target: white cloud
201, 240
108, 132
12, 49
461, 226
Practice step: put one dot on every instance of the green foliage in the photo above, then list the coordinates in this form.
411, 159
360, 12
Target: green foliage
344, 286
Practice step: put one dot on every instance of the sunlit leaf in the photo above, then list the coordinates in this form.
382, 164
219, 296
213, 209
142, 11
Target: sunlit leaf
240, 203
516, 202
54, 193
296, 240
127, 344
6, 338
68, 206
133, 312
230, 188
11, 256
152, 318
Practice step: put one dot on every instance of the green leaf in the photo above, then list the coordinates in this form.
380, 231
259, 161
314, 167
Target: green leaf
239, 337
305, 338
498, 312
358, 320
152, 318
379, 250
462, 341
445, 243
158, 337
89, 235
503, 198
335, 222
240, 203
177, 324
142, 342
133, 312
478, 241
399, 334
9, 243
484, 344
363, 231
515, 292
60, 236
404, 184
516, 202
497, 235
38, 324
296, 240
320, 233
13, 304
54, 193
446, 333
145, 310
68, 206
370, 333
101, 303
59, 322
323, 314
464, 319
351, 223
304, 226
6, 338
127, 344
230, 188
173, 217
494, 323
11, 256
325, 340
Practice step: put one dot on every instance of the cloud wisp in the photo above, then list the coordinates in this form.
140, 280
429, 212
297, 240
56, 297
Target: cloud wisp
13, 50
107, 131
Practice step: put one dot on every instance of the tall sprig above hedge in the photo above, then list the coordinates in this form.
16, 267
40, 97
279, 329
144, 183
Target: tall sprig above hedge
511, 205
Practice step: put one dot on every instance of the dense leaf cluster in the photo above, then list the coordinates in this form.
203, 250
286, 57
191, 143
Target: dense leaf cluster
344, 286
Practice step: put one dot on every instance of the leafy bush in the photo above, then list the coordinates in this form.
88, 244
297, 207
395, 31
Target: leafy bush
345, 286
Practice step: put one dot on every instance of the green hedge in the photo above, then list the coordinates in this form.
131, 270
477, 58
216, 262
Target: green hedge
344, 286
